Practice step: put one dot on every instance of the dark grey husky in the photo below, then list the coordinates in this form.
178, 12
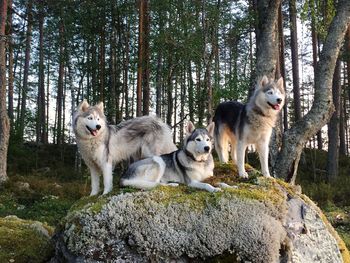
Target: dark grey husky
190, 165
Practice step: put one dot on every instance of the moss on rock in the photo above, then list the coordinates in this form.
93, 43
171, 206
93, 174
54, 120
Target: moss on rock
259, 220
24, 240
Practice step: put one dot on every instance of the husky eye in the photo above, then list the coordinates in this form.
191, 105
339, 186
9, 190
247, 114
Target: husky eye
198, 139
89, 118
208, 139
98, 119
270, 92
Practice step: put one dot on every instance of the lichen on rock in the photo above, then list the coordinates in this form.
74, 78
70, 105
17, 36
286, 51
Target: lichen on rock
263, 220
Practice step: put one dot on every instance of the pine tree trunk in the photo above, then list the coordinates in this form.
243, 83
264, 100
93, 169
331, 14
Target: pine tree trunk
143, 63
59, 136
295, 138
10, 67
25, 72
126, 71
333, 128
101, 63
4, 120
295, 59
40, 125
282, 64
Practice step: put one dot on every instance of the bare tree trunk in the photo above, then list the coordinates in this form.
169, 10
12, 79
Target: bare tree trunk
10, 69
102, 62
294, 139
159, 85
4, 119
59, 136
266, 55
282, 63
26, 72
40, 125
47, 97
126, 70
333, 128
314, 40
143, 63
190, 91
295, 59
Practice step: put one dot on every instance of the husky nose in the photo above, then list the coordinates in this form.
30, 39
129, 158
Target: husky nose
98, 126
206, 148
279, 100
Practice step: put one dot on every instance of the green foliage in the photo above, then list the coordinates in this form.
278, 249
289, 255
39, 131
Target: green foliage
321, 14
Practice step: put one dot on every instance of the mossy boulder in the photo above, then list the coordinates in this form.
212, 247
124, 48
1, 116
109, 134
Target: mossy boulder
259, 220
24, 240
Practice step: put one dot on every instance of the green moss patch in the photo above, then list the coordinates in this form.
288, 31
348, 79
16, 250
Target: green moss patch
24, 240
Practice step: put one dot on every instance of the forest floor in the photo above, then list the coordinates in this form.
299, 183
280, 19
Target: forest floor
43, 185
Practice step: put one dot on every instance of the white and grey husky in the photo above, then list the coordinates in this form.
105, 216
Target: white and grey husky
190, 165
239, 125
102, 145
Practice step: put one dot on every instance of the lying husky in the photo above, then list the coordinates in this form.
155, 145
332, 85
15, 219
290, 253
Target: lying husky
190, 165
240, 125
102, 145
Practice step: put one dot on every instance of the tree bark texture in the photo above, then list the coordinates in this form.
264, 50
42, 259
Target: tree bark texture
333, 128
295, 58
143, 63
59, 132
4, 120
26, 72
266, 55
294, 139
10, 66
41, 119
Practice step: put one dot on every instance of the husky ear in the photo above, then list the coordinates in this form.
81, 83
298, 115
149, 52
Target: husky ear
83, 106
263, 81
100, 106
210, 129
189, 127
279, 84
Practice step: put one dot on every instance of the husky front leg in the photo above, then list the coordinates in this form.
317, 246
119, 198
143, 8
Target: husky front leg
107, 178
204, 186
263, 151
241, 147
95, 181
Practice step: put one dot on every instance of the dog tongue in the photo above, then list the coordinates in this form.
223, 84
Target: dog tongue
94, 132
276, 107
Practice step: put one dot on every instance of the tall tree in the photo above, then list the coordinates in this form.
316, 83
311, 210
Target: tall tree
314, 40
10, 66
60, 84
333, 127
4, 120
294, 139
41, 119
26, 72
143, 91
295, 58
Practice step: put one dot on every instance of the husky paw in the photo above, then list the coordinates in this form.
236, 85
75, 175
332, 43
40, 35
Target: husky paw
244, 174
172, 184
216, 189
224, 185
93, 193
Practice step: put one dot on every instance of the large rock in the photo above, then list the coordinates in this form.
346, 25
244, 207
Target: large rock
263, 221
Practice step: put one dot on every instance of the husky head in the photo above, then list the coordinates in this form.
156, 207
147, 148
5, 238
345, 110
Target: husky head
199, 142
89, 121
270, 94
